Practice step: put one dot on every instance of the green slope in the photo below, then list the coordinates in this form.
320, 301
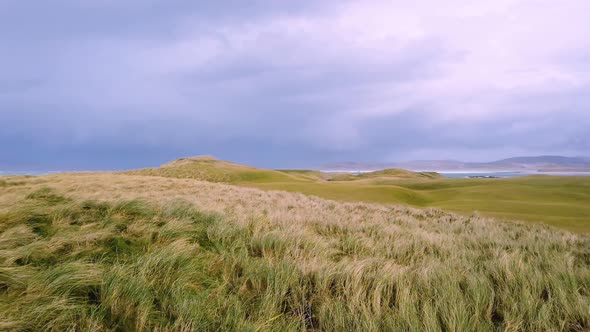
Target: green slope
390, 173
558, 201
207, 168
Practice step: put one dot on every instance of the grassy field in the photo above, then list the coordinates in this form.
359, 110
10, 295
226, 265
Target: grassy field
117, 252
560, 201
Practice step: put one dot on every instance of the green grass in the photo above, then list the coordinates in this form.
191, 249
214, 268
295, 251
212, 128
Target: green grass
555, 200
559, 201
395, 173
306, 174
350, 191
213, 170
69, 265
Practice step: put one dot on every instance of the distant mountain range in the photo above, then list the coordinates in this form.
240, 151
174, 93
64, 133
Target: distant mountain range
529, 164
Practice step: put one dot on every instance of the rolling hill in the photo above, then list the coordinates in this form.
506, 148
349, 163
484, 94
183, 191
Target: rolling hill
208, 168
389, 173
544, 163
555, 200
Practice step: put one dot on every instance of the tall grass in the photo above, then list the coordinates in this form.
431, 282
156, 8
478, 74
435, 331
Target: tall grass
139, 265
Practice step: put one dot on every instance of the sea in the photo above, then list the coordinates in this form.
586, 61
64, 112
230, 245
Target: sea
460, 175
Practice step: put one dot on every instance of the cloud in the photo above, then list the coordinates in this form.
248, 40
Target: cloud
124, 84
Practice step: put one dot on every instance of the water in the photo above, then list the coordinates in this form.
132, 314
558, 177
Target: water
455, 175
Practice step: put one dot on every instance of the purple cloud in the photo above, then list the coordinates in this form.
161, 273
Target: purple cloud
274, 84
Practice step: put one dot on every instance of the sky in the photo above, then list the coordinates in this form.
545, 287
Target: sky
108, 84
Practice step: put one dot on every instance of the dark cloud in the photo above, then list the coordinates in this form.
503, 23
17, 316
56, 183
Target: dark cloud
111, 84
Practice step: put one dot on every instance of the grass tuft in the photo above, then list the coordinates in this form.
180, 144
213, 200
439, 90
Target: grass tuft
46, 196
248, 260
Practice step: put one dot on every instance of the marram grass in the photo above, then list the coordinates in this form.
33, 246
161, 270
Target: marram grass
248, 260
561, 201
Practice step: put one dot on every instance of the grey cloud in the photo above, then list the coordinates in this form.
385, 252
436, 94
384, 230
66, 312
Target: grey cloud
115, 84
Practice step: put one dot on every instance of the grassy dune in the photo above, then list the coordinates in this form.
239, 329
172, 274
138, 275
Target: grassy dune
560, 201
115, 252
207, 168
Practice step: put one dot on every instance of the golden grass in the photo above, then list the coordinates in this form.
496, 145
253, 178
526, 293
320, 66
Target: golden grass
560, 201
114, 252
207, 168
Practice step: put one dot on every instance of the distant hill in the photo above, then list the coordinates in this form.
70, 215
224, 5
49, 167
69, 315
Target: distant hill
208, 168
535, 163
545, 161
